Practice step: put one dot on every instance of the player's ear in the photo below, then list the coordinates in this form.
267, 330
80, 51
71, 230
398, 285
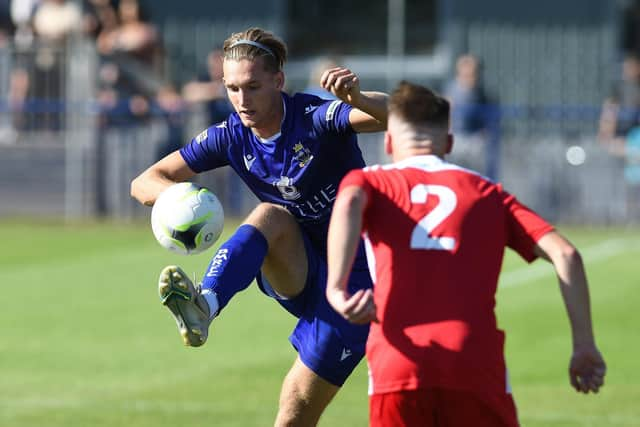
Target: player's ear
280, 80
449, 143
388, 148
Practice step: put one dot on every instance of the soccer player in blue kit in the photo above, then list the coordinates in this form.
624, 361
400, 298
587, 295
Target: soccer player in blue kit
292, 152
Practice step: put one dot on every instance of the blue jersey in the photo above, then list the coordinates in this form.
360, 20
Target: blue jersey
300, 169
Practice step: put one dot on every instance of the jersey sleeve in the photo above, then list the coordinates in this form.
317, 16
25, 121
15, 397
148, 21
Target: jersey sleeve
359, 178
333, 116
208, 150
524, 227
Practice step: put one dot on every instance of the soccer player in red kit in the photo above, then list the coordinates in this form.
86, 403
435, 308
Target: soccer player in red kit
436, 235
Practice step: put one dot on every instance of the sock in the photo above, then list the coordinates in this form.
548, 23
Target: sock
235, 265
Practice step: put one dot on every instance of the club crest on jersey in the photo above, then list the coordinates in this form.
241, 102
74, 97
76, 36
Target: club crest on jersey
203, 135
288, 191
302, 155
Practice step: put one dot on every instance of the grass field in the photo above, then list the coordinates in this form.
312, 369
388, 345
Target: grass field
85, 342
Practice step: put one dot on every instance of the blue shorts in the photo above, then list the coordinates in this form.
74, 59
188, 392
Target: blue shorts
327, 343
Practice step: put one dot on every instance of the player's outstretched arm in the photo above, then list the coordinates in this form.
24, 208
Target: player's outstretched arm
370, 108
342, 244
147, 186
587, 367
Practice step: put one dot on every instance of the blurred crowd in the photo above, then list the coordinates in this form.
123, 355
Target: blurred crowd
132, 85
131, 82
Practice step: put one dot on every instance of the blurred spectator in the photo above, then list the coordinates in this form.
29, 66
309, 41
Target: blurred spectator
93, 16
317, 70
22, 13
474, 119
55, 20
134, 36
619, 129
630, 37
7, 28
129, 76
54, 23
209, 90
621, 110
467, 96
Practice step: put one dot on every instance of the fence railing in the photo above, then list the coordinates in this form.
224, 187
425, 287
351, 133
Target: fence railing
75, 165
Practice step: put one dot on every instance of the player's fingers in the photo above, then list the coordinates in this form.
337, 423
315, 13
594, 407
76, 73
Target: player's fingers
574, 381
330, 76
600, 370
351, 305
327, 73
366, 315
344, 82
338, 77
364, 310
584, 384
363, 303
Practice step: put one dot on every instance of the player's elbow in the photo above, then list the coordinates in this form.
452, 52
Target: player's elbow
137, 190
566, 254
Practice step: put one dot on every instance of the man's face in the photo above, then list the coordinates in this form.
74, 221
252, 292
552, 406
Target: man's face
254, 92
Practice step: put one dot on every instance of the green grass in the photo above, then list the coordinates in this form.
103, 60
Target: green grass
85, 342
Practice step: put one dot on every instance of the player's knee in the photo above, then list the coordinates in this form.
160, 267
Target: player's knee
272, 220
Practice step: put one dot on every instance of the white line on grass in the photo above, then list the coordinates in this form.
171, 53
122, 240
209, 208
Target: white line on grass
599, 252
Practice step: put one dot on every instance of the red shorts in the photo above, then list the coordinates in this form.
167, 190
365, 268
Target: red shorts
438, 407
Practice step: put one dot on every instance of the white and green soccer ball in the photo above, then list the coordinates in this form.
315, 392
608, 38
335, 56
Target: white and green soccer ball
187, 219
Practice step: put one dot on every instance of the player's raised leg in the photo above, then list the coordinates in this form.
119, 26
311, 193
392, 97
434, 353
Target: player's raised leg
268, 239
189, 308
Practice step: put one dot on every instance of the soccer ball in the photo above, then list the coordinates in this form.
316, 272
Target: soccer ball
187, 219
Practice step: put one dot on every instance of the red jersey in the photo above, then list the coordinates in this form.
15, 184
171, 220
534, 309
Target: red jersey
435, 235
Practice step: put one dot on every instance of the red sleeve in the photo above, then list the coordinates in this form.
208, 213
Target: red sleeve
358, 178
524, 227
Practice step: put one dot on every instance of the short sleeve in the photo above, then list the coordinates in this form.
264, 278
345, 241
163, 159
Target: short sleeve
524, 227
332, 116
358, 178
208, 150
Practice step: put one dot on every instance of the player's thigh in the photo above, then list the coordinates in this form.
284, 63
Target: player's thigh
461, 408
285, 266
304, 396
406, 408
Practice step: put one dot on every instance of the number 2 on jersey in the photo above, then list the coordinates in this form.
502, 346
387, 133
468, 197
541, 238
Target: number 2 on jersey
421, 235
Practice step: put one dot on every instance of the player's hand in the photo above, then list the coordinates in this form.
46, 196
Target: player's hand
358, 308
587, 369
343, 83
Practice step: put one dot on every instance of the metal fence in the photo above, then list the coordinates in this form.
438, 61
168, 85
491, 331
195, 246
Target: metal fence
74, 166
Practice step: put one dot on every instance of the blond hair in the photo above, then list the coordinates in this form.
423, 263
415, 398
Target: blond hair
253, 43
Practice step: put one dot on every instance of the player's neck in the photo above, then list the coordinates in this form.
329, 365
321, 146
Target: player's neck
405, 154
275, 124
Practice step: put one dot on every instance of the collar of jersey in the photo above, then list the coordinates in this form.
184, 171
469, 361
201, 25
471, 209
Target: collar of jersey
272, 139
428, 160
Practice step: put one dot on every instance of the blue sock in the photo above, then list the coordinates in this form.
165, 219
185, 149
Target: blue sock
236, 264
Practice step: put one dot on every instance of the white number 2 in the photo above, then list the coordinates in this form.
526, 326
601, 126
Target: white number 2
421, 235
